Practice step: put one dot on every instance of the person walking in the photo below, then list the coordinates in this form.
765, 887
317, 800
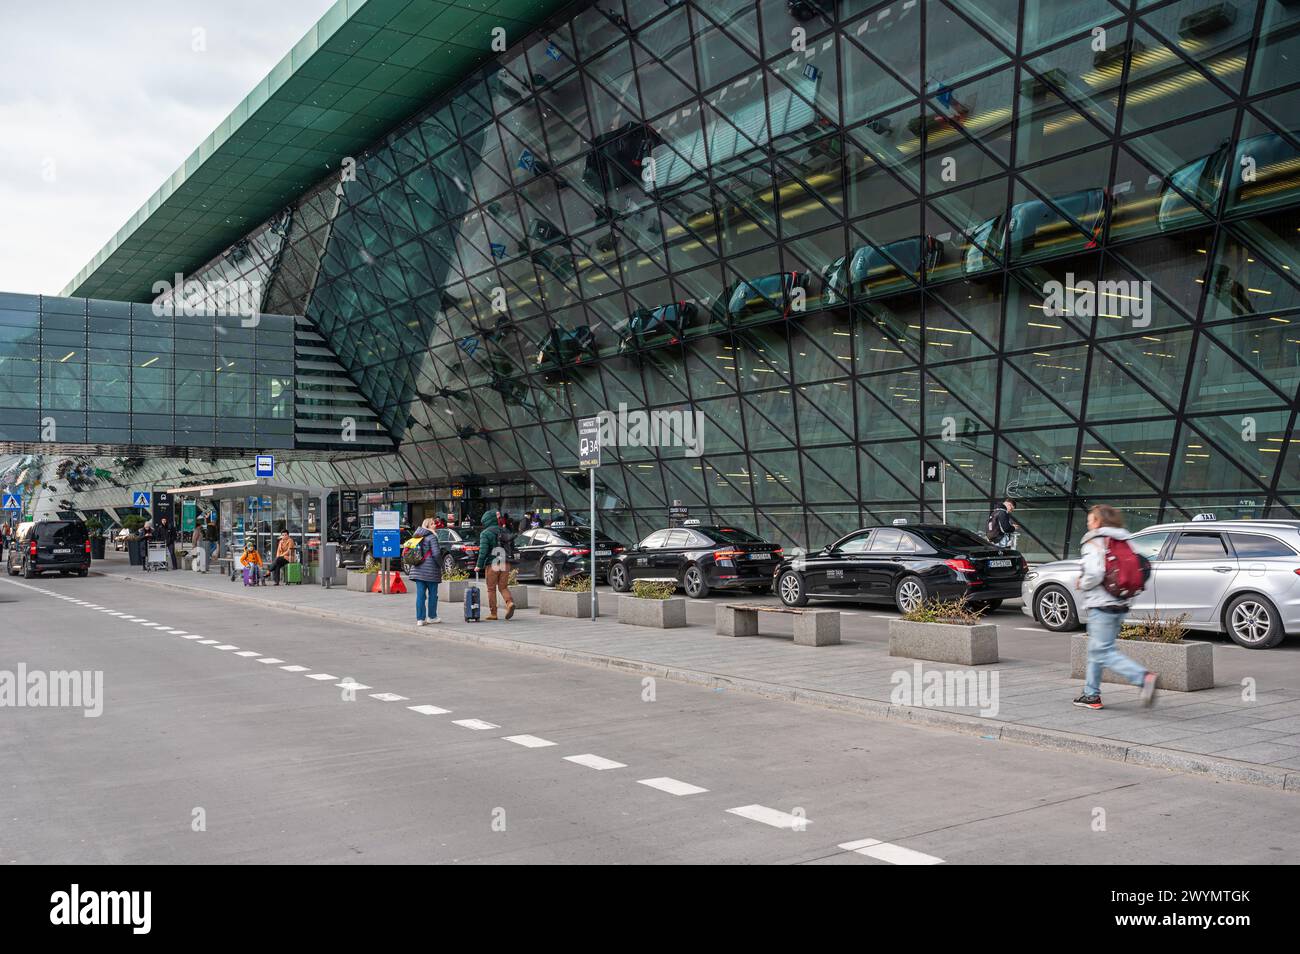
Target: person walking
198, 549
285, 553
1002, 528
494, 561
427, 574
1106, 610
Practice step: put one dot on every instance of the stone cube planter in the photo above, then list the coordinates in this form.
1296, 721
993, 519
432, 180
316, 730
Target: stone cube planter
561, 603
659, 614
520, 593
359, 582
453, 591
1183, 667
975, 645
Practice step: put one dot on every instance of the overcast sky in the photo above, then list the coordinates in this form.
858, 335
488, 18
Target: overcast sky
102, 100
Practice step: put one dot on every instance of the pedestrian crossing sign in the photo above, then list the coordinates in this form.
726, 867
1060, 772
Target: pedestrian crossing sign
141, 498
12, 502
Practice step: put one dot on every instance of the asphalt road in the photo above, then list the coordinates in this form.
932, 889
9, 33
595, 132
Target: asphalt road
281, 767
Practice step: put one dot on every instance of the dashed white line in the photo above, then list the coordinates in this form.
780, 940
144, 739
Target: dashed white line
474, 724
248, 652
672, 786
770, 816
294, 668
322, 676
528, 741
193, 636
894, 854
270, 660
350, 684
208, 642
595, 762
428, 710
226, 647
389, 697
1031, 629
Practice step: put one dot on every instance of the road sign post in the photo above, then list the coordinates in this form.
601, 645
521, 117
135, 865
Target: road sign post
589, 460
386, 542
936, 471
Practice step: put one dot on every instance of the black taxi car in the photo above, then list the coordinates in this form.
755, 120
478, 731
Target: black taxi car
48, 546
904, 565
551, 553
699, 559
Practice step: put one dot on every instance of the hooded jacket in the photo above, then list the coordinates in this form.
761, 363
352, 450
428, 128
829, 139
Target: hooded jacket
1094, 567
429, 569
489, 540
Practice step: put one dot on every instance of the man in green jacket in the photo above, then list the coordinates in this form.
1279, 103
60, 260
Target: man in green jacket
494, 560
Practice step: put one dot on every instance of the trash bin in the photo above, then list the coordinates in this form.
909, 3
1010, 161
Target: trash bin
329, 564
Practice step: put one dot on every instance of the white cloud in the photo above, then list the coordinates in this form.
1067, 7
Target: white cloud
102, 100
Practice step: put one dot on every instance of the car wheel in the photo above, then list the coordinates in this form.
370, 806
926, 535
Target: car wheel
550, 573
83, 573
618, 578
790, 588
909, 593
448, 565
1253, 622
693, 582
1055, 610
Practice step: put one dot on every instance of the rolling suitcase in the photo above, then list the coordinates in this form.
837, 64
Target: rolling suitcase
292, 573
471, 604
250, 576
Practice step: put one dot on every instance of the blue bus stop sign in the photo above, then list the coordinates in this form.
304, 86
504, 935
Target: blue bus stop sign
265, 465
386, 543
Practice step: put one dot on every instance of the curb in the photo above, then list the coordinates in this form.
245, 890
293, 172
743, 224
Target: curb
1147, 756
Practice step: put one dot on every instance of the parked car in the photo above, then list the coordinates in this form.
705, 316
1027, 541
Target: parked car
767, 297
872, 271
120, 539
904, 565
667, 323
551, 553
1240, 577
1274, 179
1037, 228
46, 546
616, 157
699, 559
564, 346
458, 552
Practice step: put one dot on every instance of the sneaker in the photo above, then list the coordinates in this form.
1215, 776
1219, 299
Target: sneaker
1088, 702
1148, 694
419, 622
510, 610
434, 619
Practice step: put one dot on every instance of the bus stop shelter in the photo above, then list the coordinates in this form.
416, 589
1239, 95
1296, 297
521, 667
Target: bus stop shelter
259, 510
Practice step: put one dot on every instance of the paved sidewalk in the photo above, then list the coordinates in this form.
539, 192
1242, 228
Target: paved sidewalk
1213, 732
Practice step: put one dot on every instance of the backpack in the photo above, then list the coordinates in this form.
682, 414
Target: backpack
993, 530
507, 545
1127, 571
414, 556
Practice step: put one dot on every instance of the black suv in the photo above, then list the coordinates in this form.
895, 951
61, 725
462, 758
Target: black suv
49, 545
551, 553
904, 565
699, 559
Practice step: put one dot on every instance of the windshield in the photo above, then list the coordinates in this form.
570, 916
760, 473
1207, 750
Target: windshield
953, 537
731, 535
62, 534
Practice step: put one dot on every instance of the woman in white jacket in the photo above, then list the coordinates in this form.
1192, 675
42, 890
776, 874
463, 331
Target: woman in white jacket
1106, 612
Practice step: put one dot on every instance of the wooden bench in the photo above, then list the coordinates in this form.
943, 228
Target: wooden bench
812, 627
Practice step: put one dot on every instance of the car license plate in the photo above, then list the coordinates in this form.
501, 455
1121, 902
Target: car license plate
63, 551
999, 562
601, 553
760, 556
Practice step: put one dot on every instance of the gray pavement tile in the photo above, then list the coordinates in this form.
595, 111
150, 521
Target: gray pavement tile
1216, 742
1266, 753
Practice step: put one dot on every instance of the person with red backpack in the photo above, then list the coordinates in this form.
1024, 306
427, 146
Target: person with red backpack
1112, 575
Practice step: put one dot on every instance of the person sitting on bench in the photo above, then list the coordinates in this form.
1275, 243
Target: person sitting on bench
284, 555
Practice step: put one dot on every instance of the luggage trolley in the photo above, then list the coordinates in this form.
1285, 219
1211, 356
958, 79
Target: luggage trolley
156, 558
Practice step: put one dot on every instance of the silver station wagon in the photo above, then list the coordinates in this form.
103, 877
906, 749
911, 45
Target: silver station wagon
1240, 577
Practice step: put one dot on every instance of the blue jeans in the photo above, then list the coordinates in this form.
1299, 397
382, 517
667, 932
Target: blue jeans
425, 593
1103, 630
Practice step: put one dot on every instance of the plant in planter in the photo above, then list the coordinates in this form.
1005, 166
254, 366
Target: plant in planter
362, 580
133, 523
95, 532
578, 583
653, 603
944, 631
1159, 644
570, 597
453, 586
455, 576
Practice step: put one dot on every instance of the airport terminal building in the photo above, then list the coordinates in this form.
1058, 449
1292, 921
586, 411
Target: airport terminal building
798, 248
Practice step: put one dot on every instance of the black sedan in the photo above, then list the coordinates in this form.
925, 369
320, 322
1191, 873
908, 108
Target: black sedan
458, 552
905, 565
699, 559
551, 553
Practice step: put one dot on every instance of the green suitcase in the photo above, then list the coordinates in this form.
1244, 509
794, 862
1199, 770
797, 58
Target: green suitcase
293, 573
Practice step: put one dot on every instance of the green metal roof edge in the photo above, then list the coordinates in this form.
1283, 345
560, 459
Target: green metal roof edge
89, 282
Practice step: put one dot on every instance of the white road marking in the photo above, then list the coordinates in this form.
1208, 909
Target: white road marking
894, 854
227, 647
350, 684
770, 816
270, 660
528, 741
322, 676
249, 652
1032, 629
208, 642
595, 762
428, 710
294, 668
194, 636
474, 724
389, 697
672, 786
178, 632
151, 625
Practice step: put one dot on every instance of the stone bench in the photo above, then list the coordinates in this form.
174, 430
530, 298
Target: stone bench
812, 627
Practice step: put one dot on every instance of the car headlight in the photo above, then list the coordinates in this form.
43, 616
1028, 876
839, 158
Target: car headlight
1031, 575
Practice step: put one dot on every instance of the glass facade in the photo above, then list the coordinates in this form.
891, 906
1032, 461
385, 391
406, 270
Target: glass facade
1053, 245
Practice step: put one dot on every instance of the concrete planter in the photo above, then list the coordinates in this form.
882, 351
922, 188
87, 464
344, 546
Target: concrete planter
975, 645
453, 591
560, 603
520, 594
658, 614
359, 582
1183, 667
